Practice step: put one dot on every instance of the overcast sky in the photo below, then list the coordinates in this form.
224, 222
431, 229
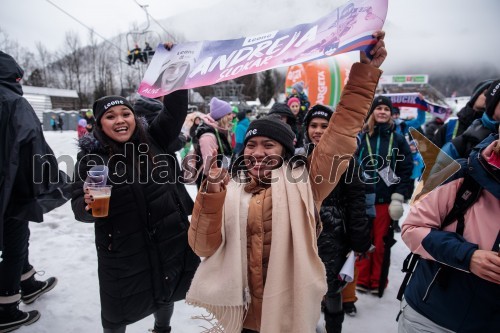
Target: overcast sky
456, 33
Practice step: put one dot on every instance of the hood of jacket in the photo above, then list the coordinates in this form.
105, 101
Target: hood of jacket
478, 168
467, 115
10, 74
148, 108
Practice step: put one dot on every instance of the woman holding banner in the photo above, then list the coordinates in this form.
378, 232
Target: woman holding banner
143, 257
262, 272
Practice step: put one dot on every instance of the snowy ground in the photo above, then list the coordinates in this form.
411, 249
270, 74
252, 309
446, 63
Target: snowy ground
64, 248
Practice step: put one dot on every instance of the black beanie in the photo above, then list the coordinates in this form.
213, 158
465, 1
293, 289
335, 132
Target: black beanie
104, 103
381, 100
281, 109
274, 129
492, 98
241, 115
478, 90
318, 111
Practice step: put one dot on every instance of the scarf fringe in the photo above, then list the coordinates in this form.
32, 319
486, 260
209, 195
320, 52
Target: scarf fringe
221, 318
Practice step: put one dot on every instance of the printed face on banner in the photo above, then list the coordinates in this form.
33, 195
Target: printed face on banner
172, 74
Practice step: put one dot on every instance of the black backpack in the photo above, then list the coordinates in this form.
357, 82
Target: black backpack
467, 195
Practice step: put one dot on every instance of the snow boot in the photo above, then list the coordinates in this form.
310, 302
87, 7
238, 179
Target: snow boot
31, 288
157, 330
11, 318
350, 309
362, 288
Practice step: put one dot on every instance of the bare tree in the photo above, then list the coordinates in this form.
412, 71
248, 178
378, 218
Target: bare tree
44, 59
267, 86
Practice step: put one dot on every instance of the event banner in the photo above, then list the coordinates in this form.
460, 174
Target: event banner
195, 64
416, 100
323, 79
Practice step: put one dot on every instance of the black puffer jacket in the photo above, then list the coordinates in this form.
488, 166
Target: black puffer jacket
465, 117
149, 108
345, 225
143, 254
473, 135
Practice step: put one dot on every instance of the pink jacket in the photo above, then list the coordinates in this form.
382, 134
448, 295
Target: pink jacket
482, 220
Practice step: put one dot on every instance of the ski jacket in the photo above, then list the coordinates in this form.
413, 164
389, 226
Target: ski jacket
241, 129
462, 302
31, 183
143, 255
477, 132
402, 164
149, 108
456, 127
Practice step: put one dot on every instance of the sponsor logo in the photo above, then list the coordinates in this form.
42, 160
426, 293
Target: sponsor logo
319, 114
113, 103
251, 132
494, 91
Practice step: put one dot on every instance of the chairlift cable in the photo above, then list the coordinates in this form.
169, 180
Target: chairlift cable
90, 29
144, 7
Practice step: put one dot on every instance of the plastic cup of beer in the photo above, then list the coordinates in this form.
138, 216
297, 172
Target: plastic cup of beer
101, 195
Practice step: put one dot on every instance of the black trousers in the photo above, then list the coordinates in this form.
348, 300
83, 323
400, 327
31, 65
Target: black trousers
15, 256
334, 313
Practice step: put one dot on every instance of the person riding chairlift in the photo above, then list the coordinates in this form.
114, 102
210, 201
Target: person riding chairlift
135, 54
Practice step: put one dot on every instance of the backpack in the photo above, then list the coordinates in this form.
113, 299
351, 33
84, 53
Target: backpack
467, 194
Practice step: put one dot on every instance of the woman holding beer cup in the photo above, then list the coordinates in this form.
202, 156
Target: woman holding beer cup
144, 260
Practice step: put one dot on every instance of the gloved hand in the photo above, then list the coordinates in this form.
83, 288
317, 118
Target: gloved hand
396, 206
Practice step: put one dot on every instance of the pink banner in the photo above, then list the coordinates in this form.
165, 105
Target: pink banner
196, 64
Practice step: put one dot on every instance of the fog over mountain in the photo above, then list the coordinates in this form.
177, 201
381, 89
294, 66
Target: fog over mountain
422, 36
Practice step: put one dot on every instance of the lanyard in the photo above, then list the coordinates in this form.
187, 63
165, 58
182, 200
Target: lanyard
222, 150
455, 130
369, 146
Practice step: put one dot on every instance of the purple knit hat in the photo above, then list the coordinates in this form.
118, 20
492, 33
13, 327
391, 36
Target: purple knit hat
219, 109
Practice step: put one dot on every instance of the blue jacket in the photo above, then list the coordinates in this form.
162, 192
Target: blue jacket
418, 165
462, 302
241, 129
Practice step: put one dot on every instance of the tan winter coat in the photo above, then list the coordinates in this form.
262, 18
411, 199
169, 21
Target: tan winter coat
325, 163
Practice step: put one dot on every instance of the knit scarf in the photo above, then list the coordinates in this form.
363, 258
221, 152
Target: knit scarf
296, 278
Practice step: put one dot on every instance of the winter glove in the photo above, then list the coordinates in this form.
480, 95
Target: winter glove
396, 206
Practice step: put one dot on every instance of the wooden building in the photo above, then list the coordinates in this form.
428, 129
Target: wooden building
45, 99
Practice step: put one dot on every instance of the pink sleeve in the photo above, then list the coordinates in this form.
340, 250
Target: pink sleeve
208, 142
428, 214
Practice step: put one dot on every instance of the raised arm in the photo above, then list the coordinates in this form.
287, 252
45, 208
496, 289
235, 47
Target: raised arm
165, 128
330, 158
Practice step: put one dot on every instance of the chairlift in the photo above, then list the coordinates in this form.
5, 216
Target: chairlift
141, 37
